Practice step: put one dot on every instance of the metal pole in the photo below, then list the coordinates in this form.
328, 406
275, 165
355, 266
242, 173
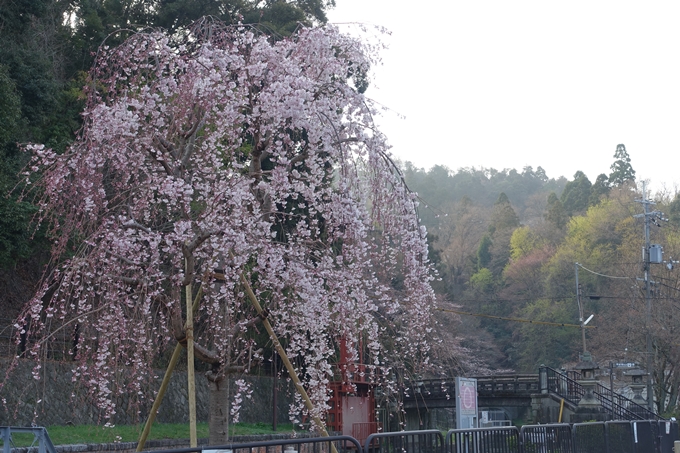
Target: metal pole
611, 385
275, 393
580, 308
648, 301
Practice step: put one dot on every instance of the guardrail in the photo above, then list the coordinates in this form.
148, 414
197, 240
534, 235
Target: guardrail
423, 441
497, 440
648, 436
332, 444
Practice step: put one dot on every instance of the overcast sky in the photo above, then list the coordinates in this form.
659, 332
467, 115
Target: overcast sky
506, 84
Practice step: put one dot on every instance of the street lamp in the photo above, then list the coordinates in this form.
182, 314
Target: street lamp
580, 309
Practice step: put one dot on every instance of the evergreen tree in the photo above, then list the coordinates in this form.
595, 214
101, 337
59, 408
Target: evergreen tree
600, 189
622, 170
576, 195
484, 252
556, 214
503, 215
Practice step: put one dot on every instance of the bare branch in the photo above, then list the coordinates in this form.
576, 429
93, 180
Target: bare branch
191, 135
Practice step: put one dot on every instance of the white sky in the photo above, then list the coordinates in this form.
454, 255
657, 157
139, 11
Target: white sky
505, 84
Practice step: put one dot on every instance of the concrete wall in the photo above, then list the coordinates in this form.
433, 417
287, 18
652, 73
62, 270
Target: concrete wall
56, 400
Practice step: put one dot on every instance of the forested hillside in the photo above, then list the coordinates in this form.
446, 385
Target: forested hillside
505, 244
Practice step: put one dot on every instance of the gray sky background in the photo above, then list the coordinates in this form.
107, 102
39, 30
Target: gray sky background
506, 84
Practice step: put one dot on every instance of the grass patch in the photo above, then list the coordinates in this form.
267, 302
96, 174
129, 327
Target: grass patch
90, 434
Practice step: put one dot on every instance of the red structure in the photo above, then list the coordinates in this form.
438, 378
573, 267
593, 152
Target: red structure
352, 403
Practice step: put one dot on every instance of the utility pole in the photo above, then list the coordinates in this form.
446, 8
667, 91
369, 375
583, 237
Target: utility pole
580, 308
646, 258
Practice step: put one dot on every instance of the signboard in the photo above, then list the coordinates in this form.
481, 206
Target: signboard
466, 403
625, 364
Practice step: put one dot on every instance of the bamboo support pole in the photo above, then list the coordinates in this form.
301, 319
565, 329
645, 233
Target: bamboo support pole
191, 384
284, 358
159, 398
164, 384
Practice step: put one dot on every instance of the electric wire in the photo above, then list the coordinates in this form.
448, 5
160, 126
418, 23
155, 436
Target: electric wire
602, 275
504, 318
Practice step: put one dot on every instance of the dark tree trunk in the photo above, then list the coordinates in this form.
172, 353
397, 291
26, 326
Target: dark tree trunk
218, 417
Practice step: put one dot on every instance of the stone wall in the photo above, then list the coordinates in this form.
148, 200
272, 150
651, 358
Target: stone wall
56, 400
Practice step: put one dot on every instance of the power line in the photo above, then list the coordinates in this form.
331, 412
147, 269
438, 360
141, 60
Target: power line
559, 324
602, 275
528, 299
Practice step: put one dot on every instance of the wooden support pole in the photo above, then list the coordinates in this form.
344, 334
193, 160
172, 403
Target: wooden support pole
191, 383
159, 398
284, 358
164, 384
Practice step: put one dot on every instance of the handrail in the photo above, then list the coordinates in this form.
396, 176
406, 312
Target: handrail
621, 407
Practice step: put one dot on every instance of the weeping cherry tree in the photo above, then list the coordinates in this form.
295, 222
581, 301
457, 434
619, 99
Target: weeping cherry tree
213, 158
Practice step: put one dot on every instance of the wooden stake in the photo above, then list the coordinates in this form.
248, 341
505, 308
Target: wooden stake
284, 358
164, 385
159, 398
190, 366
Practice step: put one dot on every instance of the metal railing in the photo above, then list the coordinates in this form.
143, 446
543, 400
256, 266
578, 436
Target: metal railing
492, 440
555, 438
648, 436
516, 384
39, 435
423, 441
332, 444
589, 437
361, 431
620, 407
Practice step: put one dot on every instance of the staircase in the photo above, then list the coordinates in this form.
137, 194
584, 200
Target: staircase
567, 387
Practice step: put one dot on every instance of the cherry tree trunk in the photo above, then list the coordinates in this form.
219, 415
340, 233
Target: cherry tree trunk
218, 416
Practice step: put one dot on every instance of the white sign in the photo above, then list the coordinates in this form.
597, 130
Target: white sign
466, 403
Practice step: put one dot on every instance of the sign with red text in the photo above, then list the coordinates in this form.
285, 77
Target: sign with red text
466, 403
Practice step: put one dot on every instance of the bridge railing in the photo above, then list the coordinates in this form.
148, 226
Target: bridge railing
499, 384
516, 383
431, 388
